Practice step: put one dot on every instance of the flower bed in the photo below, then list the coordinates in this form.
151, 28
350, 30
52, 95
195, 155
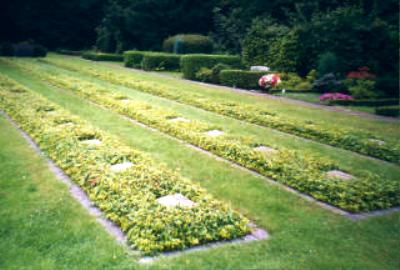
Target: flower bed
301, 172
129, 197
353, 140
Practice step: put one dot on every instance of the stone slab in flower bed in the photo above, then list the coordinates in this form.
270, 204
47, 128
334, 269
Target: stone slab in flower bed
214, 133
121, 166
266, 149
340, 174
379, 142
92, 142
175, 200
179, 119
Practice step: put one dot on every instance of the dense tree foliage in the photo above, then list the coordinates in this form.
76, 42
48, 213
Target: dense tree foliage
144, 24
53, 23
287, 35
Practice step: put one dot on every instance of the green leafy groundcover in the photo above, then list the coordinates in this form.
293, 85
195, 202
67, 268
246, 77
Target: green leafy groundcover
305, 173
353, 140
128, 197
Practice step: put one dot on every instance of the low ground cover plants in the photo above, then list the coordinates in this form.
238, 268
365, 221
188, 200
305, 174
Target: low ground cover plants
300, 171
353, 140
129, 197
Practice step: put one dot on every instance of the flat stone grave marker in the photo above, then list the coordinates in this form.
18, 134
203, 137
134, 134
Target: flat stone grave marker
260, 68
125, 100
214, 133
92, 142
174, 200
121, 166
378, 142
266, 149
179, 119
340, 174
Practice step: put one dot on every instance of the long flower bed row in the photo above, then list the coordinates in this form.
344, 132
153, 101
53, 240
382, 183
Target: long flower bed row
353, 140
302, 172
129, 197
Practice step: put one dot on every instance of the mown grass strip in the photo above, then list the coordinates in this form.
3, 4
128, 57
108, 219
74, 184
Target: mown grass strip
354, 140
128, 197
304, 173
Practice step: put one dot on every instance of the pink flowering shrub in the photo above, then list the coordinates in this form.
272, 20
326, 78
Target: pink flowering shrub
268, 81
335, 96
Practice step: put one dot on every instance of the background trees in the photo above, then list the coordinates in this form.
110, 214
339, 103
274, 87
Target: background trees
286, 35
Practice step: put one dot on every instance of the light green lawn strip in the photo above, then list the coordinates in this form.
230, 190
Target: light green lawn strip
284, 108
314, 98
41, 225
348, 160
304, 236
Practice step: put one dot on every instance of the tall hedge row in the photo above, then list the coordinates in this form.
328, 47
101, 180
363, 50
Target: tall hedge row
133, 58
160, 61
96, 56
241, 78
190, 64
188, 44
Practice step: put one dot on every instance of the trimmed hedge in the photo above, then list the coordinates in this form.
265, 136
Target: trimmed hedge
346, 138
161, 61
241, 78
22, 49
70, 52
133, 58
188, 44
365, 102
191, 64
388, 111
96, 56
298, 170
128, 198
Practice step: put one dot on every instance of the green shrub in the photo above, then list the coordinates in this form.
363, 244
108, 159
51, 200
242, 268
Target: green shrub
389, 84
388, 110
39, 50
160, 61
6, 49
204, 75
328, 83
23, 49
241, 78
97, 56
361, 88
190, 64
69, 52
311, 76
211, 75
188, 44
327, 63
133, 58
289, 81
303, 86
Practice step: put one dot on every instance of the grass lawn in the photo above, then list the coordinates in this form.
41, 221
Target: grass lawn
303, 235
314, 98
284, 109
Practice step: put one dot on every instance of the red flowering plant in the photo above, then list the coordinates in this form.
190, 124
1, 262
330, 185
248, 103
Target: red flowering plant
361, 73
268, 81
335, 96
